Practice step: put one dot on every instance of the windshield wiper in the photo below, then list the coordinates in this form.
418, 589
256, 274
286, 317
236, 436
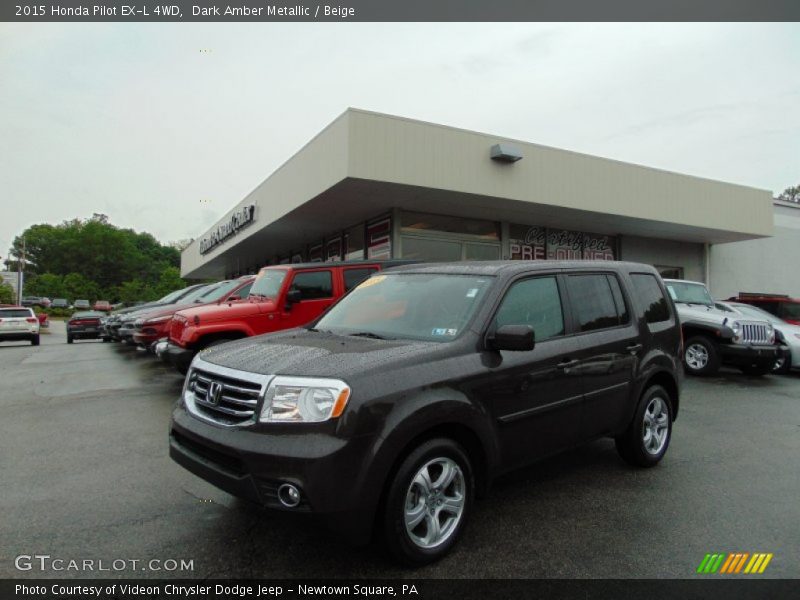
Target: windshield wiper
369, 334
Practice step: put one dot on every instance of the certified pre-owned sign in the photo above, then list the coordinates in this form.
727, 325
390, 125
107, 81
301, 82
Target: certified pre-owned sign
242, 217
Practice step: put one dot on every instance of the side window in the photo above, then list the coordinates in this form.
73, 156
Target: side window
651, 297
313, 285
244, 291
593, 301
535, 302
352, 277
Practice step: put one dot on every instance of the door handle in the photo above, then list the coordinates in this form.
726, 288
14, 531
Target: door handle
566, 364
633, 348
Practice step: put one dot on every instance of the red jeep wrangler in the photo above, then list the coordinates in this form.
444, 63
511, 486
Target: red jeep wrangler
282, 297
780, 305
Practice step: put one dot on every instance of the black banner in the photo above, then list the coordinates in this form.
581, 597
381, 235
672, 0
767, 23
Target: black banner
424, 589
399, 10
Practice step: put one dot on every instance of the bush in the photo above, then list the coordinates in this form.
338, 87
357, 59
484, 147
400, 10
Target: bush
6, 293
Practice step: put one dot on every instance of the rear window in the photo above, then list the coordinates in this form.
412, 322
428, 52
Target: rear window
11, 313
313, 285
597, 304
651, 297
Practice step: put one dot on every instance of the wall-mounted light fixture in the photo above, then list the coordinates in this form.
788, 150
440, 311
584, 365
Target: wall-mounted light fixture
506, 153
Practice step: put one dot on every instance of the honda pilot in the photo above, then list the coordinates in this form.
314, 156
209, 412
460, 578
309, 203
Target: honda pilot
395, 409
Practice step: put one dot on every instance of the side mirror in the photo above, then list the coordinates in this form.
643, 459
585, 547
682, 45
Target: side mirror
513, 337
293, 297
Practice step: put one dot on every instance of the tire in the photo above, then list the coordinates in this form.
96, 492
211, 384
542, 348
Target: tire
448, 506
35, 340
700, 356
106, 340
638, 446
69, 339
783, 365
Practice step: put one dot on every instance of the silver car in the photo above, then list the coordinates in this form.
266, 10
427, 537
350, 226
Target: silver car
790, 333
18, 323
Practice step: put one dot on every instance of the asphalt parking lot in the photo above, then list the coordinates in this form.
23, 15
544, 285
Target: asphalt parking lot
85, 475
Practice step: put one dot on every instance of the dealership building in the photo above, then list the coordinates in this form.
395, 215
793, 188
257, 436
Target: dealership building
375, 186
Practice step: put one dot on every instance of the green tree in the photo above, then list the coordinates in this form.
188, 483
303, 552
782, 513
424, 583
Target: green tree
77, 287
132, 291
790, 194
100, 252
46, 284
7, 295
168, 281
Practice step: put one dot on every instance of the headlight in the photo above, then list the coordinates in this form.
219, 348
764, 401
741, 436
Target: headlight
157, 320
736, 327
770, 333
303, 400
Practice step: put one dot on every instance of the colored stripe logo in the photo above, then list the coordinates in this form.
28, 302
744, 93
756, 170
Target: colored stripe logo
735, 562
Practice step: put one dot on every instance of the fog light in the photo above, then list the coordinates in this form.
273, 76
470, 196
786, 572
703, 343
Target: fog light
289, 495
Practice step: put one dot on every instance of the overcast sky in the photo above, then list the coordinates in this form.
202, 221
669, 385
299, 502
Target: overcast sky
134, 121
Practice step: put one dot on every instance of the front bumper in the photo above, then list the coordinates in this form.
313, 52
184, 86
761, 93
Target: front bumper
750, 355
178, 357
252, 464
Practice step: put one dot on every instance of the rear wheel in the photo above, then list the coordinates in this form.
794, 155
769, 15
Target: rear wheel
700, 356
428, 502
35, 340
647, 438
69, 339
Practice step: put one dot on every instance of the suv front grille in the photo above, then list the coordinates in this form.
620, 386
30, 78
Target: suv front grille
224, 396
754, 333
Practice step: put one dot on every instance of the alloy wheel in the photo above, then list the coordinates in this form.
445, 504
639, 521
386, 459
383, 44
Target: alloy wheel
435, 502
696, 356
655, 425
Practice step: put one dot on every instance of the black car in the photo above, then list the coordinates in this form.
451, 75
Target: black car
87, 325
408, 397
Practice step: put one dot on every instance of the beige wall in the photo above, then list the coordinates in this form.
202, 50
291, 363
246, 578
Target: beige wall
666, 253
395, 162
411, 152
769, 265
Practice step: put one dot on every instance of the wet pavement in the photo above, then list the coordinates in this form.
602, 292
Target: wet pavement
85, 475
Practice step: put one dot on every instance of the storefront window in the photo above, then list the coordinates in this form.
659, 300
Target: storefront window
414, 222
527, 243
379, 239
429, 249
333, 250
539, 243
354, 243
315, 253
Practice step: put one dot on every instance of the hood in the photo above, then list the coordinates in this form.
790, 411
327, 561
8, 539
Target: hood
708, 314
227, 310
317, 354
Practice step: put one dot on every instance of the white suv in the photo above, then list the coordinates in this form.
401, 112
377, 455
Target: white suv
714, 337
18, 323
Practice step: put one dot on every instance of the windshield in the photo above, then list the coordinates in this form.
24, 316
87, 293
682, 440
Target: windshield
268, 283
689, 293
752, 311
430, 307
220, 290
172, 296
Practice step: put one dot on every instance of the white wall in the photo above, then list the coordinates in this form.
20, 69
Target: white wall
666, 253
769, 265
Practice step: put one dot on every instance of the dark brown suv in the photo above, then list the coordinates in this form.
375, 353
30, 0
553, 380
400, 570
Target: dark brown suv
409, 396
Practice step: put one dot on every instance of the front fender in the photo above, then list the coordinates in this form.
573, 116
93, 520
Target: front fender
193, 334
722, 332
415, 415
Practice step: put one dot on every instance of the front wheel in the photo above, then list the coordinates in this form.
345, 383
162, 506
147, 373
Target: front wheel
428, 502
700, 356
647, 438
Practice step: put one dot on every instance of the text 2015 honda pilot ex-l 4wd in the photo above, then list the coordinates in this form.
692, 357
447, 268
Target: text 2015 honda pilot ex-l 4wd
398, 406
